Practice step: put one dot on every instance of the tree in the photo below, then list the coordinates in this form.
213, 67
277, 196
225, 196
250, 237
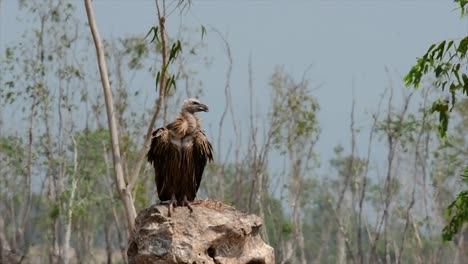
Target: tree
447, 63
165, 82
125, 193
45, 83
295, 131
31, 70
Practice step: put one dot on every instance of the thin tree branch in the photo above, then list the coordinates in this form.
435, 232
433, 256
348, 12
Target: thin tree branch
162, 89
124, 192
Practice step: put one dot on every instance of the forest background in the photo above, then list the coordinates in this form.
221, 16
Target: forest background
312, 124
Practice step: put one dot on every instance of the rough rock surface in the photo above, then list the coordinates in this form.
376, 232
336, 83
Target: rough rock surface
212, 233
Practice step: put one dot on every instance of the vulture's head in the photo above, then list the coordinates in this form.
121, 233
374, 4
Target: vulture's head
192, 105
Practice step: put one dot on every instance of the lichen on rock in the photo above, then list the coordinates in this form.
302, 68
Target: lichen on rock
212, 233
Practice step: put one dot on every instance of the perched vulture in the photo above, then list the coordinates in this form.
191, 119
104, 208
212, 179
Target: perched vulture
179, 153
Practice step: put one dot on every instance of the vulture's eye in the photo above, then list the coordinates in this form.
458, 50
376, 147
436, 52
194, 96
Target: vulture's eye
196, 103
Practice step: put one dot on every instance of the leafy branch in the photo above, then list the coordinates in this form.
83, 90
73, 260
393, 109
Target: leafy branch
457, 212
165, 82
447, 62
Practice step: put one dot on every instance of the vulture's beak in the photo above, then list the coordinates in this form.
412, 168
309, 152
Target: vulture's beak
202, 108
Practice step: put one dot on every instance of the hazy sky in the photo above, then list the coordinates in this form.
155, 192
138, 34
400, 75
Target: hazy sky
342, 40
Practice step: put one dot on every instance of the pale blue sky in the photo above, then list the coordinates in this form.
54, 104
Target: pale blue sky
342, 40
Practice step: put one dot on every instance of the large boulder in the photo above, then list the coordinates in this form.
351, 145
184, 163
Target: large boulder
212, 233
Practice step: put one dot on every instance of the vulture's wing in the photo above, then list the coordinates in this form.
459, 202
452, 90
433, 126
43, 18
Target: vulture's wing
157, 155
202, 152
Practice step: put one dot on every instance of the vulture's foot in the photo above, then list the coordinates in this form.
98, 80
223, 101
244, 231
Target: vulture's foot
172, 204
185, 202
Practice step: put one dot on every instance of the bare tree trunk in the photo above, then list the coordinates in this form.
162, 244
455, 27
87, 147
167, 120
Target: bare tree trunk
118, 229
287, 251
361, 255
392, 132
294, 203
407, 223
460, 254
344, 188
261, 210
66, 240
125, 193
122, 244
340, 248
293, 198
3, 241
300, 242
228, 106
324, 244
20, 230
68, 227
108, 243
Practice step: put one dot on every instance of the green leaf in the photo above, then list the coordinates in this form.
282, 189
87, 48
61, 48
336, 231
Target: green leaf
203, 31
441, 49
462, 47
450, 44
158, 76
172, 53
465, 80
462, 4
430, 48
438, 70
442, 108
179, 46
175, 50
155, 34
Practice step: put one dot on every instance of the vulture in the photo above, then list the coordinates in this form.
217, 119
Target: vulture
179, 153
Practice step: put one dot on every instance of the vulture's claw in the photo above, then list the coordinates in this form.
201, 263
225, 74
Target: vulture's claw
185, 202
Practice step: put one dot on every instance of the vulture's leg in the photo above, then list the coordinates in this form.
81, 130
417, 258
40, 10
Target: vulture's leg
172, 203
185, 202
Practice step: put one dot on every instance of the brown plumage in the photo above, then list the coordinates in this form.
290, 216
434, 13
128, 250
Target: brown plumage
179, 153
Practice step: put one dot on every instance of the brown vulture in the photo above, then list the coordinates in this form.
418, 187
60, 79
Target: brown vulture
179, 153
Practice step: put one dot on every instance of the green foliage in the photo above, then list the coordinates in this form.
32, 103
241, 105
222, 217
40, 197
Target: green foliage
141, 195
446, 62
154, 30
275, 218
54, 211
176, 49
136, 50
294, 113
457, 212
462, 6
287, 228
12, 166
92, 145
442, 107
317, 215
343, 163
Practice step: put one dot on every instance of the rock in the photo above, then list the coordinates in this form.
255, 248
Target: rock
212, 233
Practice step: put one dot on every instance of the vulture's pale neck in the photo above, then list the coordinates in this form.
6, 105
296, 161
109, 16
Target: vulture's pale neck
189, 115
188, 122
